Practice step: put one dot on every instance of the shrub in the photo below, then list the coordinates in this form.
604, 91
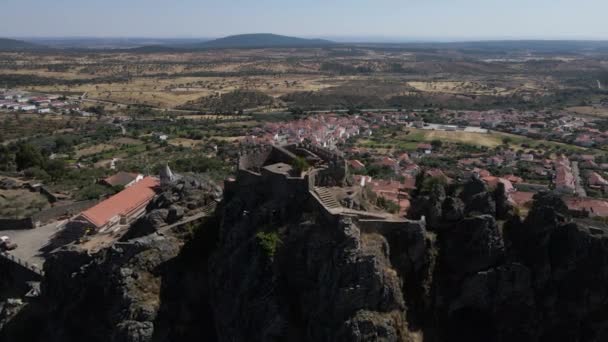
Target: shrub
93, 191
299, 165
387, 205
36, 173
269, 242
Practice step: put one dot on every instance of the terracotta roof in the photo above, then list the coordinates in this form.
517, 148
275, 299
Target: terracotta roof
123, 203
595, 179
522, 198
121, 178
595, 207
356, 164
493, 183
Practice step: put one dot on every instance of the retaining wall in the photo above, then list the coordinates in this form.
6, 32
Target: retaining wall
15, 274
17, 224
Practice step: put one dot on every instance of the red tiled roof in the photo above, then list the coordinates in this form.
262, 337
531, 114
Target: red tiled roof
493, 183
123, 203
521, 198
595, 207
356, 164
121, 178
514, 179
595, 179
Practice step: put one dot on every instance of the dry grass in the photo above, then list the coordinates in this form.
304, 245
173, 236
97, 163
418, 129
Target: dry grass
457, 87
21, 203
172, 92
126, 141
90, 150
590, 110
183, 142
481, 139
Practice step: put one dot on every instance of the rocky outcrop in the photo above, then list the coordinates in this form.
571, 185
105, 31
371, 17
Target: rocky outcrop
278, 268
119, 287
452, 209
504, 207
185, 196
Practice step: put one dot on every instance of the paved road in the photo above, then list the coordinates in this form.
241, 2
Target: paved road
578, 182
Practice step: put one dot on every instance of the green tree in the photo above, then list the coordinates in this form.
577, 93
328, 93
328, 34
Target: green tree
7, 159
436, 144
56, 169
387, 205
28, 156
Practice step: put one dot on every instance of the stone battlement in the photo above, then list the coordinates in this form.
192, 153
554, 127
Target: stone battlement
268, 169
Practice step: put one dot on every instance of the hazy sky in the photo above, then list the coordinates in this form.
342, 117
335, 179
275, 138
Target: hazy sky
418, 19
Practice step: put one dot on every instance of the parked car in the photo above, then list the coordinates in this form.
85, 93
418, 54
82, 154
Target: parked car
6, 244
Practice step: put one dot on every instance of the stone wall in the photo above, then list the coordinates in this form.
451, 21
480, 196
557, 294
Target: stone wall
386, 226
45, 216
16, 274
62, 210
253, 159
16, 224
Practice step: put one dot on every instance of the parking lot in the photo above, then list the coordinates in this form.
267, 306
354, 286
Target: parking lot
31, 241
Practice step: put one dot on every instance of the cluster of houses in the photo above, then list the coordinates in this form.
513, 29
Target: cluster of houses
322, 130
556, 126
19, 101
561, 126
543, 172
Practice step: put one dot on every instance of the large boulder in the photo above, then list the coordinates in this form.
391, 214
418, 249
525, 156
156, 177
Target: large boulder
472, 245
176, 213
453, 209
8, 184
481, 203
472, 187
114, 294
504, 208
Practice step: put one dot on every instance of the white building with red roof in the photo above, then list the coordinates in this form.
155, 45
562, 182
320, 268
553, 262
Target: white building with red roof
120, 209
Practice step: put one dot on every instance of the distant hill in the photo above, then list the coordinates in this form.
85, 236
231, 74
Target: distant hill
12, 44
116, 43
262, 40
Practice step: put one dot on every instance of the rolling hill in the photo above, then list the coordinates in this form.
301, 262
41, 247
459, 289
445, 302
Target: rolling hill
12, 44
262, 40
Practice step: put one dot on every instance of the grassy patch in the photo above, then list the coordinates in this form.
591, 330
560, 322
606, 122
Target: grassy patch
269, 242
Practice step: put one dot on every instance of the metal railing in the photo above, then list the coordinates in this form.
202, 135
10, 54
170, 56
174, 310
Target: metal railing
22, 263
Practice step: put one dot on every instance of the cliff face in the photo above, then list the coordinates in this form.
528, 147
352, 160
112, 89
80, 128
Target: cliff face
272, 266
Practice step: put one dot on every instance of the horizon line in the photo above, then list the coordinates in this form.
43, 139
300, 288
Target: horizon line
338, 38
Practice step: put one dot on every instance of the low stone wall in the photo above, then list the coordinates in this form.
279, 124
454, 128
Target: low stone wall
16, 274
323, 153
386, 226
17, 224
280, 155
48, 194
255, 158
45, 216
56, 212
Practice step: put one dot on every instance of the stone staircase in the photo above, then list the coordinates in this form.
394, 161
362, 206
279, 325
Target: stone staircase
327, 198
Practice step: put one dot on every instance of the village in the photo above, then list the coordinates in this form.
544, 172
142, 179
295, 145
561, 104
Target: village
27, 102
386, 153
570, 161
